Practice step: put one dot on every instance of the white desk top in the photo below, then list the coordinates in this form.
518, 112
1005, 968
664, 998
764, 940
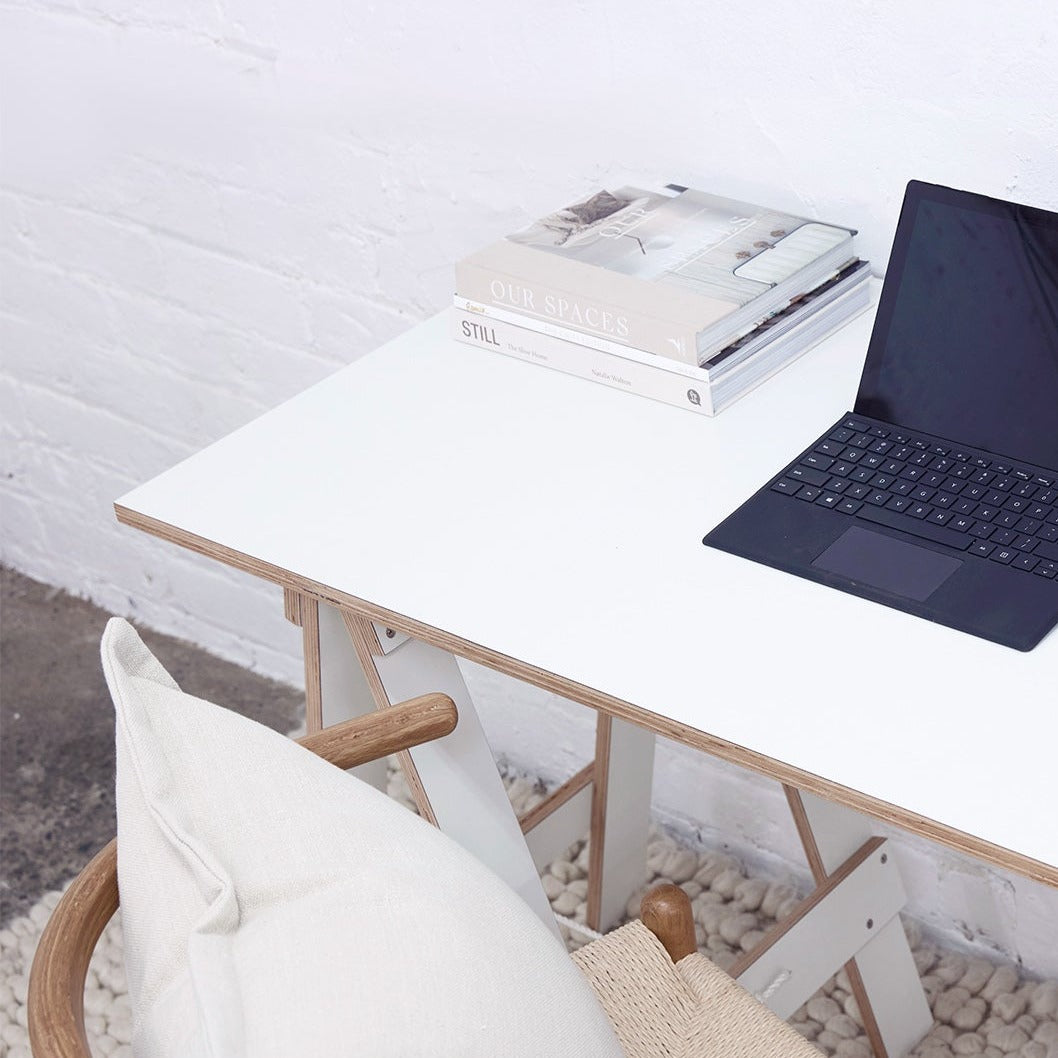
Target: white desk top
559, 523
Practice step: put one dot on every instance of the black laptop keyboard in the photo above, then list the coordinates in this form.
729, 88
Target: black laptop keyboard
954, 495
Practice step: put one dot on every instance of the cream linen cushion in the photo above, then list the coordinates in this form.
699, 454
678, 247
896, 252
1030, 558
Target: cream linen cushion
275, 906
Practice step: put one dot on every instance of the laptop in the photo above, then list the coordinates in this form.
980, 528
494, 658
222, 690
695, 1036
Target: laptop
937, 494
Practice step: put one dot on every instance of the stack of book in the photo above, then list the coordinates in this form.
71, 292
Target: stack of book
677, 295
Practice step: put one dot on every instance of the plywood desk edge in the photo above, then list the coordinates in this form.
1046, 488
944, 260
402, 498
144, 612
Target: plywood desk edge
595, 699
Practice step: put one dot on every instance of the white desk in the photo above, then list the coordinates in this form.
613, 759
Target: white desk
551, 528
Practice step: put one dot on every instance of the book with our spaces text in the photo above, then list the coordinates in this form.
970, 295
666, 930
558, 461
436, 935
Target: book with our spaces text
677, 273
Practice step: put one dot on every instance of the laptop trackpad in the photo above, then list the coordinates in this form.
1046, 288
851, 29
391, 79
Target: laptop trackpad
886, 563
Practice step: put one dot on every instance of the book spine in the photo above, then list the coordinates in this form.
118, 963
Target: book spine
593, 341
613, 322
572, 358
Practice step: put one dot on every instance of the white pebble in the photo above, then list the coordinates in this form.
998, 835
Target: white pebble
727, 882
732, 927
1004, 979
564, 871
553, 887
822, 1009
949, 1002
978, 972
19, 987
1032, 1049
681, 865
842, 1025
1008, 1038
579, 886
968, 1043
14, 1035
950, 968
750, 893
751, 938
854, 1049
1010, 1006
566, 903
970, 1015
1044, 1001
774, 896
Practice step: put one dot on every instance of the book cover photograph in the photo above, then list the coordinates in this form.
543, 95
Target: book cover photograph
688, 239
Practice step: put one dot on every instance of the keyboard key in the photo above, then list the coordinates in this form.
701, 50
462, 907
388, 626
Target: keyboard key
829, 499
1049, 532
944, 499
963, 470
940, 534
1037, 511
1028, 526
857, 490
942, 464
995, 499
852, 455
880, 447
807, 476
892, 466
921, 459
1047, 496
861, 474
982, 477
879, 497
939, 450
1016, 503
911, 473
940, 517
841, 468
1007, 519
1003, 537
849, 506
1028, 562
786, 485
961, 523
964, 506
855, 424
861, 440
919, 443
1004, 483
1043, 482
837, 484
980, 461
953, 486
817, 461
882, 481
981, 548
1002, 468
985, 513
1026, 543
878, 431
808, 493
830, 448
898, 503
923, 495
1004, 555
1047, 569
1026, 489
931, 479
974, 492
903, 488
919, 510
841, 435
1023, 475
982, 530
872, 459
902, 452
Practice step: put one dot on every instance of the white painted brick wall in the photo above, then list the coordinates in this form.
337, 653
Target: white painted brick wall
207, 206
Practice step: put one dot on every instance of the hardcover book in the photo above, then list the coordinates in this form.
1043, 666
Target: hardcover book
677, 273
697, 389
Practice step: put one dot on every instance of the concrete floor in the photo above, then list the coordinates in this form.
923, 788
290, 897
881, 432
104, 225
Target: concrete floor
57, 730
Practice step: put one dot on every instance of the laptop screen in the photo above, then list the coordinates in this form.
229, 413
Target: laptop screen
965, 343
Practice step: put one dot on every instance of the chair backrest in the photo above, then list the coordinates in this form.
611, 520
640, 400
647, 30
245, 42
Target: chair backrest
60, 966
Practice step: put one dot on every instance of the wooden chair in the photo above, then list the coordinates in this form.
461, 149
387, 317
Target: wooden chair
661, 995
